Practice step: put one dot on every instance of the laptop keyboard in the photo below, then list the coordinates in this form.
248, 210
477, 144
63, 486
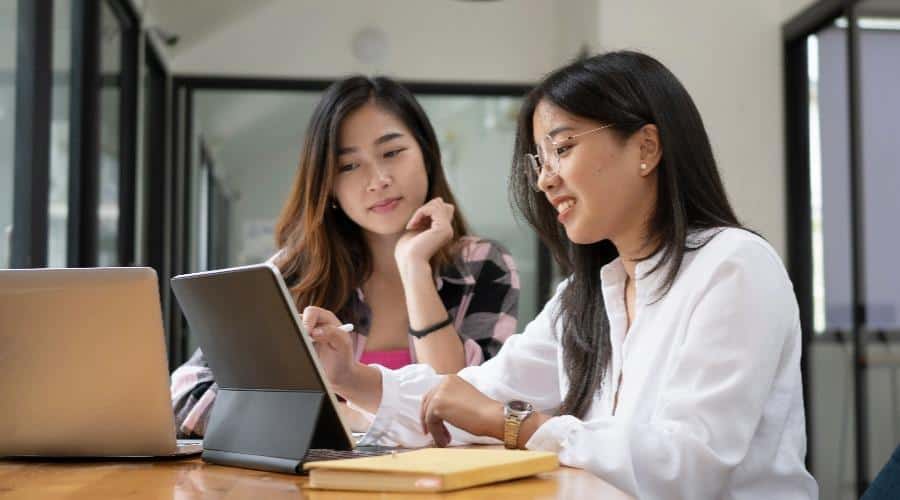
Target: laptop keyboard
316, 454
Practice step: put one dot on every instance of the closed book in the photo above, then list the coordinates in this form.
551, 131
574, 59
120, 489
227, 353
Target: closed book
429, 469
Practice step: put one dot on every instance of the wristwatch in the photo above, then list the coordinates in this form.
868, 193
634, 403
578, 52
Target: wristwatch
514, 413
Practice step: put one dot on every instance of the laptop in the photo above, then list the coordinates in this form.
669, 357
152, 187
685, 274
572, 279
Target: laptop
84, 365
274, 409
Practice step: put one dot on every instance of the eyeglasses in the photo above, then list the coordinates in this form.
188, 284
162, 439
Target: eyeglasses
535, 163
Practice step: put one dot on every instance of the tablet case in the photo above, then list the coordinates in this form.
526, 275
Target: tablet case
272, 405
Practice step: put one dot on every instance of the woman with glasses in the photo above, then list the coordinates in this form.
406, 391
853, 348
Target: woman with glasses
370, 231
668, 363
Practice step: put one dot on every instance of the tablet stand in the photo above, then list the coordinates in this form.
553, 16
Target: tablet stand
270, 429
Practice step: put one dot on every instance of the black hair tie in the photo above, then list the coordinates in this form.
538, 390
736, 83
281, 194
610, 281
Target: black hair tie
433, 328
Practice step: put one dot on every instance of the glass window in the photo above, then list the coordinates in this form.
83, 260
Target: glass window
110, 76
830, 180
8, 24
476, 135
879, 44
241, 172
253, 141
58, 210
879, 86
151, 239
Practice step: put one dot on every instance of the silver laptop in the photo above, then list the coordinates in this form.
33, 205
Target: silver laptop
84, 369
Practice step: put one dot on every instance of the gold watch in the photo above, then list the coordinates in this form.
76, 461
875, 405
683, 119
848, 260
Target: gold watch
514, 413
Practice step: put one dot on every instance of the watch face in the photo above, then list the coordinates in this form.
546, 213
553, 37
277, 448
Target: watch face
519, 406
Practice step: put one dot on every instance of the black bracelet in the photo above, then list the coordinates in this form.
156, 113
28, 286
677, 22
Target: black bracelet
433, 328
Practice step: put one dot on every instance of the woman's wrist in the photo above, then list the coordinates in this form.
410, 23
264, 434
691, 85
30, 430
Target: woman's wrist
493, 419
411, 269
352, 378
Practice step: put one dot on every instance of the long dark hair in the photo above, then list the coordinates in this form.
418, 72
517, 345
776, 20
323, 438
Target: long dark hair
324, 254
627, 90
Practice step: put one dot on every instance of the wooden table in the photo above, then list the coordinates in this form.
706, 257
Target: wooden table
192, 478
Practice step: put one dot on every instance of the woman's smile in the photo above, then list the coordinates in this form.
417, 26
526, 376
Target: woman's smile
386, 205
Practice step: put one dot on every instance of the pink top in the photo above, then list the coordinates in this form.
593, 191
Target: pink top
389, 359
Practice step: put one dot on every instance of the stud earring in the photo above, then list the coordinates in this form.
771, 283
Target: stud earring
333, 205
643, 166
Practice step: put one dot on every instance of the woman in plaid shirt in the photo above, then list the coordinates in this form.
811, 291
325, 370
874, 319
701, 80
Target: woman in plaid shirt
370, 231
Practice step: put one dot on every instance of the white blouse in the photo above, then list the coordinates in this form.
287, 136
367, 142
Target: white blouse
711, 403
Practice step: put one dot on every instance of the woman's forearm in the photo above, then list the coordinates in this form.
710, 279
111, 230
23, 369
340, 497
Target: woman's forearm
442, 349
362, 386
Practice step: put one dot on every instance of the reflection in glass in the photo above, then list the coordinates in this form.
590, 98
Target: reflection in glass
8, 21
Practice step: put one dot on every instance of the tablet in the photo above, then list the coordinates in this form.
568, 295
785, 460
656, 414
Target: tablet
274, 401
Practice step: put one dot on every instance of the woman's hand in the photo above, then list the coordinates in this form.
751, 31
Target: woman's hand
457, 402
333, 345
350, 378
429, 229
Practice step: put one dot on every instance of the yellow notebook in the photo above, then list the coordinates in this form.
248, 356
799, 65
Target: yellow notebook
429, 469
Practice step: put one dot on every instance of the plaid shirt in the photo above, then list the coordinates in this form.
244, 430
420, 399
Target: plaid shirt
480, 291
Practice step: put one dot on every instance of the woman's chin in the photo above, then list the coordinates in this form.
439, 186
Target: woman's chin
580, 236
386, 229
582, 241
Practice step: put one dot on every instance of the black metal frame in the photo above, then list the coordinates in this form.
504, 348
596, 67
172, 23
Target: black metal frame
206, 159
128, 115
797, 184
192, 83
183, 132
157, 183
794, 34
857, 195
32, 137
84, 136
84, 132
179, 199
220, 207
34, 94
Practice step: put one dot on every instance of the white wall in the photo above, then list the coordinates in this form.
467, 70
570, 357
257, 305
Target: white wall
728, 55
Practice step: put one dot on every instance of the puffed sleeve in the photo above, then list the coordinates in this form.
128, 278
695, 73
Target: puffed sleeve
526, 368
